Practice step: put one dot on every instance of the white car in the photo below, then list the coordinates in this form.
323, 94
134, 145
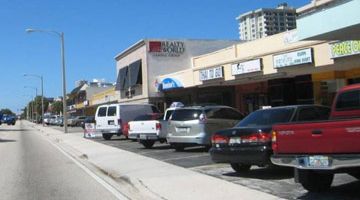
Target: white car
149, 130
112, 119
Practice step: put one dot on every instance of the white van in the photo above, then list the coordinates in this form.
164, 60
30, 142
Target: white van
112, 119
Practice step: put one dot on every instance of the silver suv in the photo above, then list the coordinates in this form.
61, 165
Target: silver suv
191, 126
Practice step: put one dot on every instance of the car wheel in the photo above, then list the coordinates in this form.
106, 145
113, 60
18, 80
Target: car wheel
178, 147
148, 144
107, 136
314, 181
240, 168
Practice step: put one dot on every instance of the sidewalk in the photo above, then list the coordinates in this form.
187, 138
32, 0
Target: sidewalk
140, 177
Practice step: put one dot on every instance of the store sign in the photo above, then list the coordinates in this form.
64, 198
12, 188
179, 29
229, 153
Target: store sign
345, 48
293, 58
209, 74
246, 67
170, 83
86, 102
167, 48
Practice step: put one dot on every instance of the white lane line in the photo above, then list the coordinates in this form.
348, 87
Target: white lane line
107, 186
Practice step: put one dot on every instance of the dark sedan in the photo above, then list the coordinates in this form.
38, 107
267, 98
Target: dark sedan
249, 142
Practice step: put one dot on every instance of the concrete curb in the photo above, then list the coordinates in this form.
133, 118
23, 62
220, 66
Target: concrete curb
140, 177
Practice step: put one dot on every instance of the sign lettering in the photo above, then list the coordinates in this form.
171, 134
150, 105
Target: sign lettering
345, 48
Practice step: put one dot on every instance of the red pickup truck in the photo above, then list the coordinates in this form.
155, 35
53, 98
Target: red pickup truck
318, 150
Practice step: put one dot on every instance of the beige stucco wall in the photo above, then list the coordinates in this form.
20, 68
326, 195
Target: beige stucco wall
265, 49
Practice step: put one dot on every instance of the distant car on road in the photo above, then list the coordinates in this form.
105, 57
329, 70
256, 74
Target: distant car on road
249, 142
194, 125
8, 119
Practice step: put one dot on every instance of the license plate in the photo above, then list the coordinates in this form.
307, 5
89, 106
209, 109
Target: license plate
318, 161
143, 137
235, 140
182, 130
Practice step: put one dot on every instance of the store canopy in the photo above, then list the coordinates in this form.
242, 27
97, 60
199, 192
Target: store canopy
121, 79
134, 75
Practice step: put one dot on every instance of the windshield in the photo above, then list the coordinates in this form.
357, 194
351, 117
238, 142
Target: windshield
267, 117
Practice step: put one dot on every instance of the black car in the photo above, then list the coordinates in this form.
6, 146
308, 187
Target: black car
89, 119
249, 142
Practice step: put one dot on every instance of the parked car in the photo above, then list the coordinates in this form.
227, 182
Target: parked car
47, 120
112, 119
88, 119
59, 121
150, 128
194, 125
52, 120
249, 142
76, 121
318, 150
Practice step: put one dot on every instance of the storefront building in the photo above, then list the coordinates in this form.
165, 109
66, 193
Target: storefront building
273, 71
140, 66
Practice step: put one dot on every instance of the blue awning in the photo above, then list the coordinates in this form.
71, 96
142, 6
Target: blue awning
170, 83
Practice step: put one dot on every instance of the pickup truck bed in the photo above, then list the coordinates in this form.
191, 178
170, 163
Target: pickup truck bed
324, 137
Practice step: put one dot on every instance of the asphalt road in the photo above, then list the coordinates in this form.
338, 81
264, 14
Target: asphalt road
32, 168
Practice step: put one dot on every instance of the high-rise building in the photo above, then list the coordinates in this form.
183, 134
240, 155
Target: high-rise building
266, 21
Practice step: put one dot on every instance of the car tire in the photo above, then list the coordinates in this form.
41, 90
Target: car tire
107, 136
314, 181
148, 144
178, 147
240, 168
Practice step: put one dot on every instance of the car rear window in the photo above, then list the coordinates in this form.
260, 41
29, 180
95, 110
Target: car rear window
186, 114
168, 114
348, 100
267, 117
102, 112
112, 111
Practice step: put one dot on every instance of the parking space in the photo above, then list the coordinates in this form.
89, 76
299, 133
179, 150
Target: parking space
276, 181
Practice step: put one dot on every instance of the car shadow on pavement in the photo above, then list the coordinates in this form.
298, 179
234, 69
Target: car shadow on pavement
1, 140
344, 191
265, 173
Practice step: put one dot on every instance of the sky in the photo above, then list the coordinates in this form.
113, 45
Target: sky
95, 31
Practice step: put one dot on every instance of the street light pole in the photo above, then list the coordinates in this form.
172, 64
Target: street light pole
42, 94
61, 36
35, 88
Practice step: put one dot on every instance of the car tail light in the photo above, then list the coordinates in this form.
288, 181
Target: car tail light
202, 118
273, 140
219, 139
158, 126
256, 138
